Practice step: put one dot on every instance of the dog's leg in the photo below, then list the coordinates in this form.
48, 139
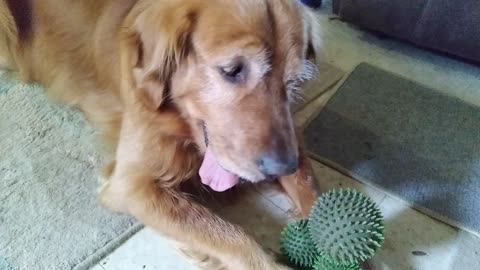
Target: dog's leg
8, 36
301, 187
171, 213
140, 186
202, 260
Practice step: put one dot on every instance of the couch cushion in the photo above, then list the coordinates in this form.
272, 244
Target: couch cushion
445, 25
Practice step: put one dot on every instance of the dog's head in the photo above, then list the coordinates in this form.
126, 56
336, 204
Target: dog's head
232, 68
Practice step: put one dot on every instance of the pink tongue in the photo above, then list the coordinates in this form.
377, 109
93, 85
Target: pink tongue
214, 175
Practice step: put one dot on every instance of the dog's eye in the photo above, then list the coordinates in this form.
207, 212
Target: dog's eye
236, 73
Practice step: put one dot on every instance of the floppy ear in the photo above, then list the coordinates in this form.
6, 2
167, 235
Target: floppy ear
155, 40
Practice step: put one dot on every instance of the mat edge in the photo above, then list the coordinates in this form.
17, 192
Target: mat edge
106, 250
331, 91
335, 81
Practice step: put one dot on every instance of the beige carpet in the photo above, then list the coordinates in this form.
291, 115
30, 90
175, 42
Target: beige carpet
49, 216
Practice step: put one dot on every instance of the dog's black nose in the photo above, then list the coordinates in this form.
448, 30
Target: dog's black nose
272, 166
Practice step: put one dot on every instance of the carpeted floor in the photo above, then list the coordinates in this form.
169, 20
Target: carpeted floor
49, 216
405, 138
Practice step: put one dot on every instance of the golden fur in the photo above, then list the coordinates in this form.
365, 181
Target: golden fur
145, 73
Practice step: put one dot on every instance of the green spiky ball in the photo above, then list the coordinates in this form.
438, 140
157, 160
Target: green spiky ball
346, 226
297, 244
326, 263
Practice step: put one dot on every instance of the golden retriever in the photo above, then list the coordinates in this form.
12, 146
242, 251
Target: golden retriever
178, 88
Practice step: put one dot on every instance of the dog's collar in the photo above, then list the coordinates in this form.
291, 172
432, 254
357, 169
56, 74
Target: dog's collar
205, 133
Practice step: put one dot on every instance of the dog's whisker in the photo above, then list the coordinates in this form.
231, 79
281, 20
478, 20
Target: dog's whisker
310, 70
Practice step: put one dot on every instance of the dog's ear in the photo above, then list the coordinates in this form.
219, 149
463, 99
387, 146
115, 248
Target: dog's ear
155, 40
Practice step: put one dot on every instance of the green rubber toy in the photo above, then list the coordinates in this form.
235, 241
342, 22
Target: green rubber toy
326, 263
297, 244
344, 229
